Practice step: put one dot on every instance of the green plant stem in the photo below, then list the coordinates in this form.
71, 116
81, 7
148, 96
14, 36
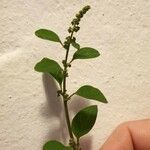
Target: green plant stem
73, 144
78, 144
71, 95
61, 43
68, 119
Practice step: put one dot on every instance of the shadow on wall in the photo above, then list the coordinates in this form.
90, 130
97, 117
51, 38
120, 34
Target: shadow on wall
54, 110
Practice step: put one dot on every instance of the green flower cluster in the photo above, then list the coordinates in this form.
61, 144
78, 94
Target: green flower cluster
75, 22
68, 41
75, 26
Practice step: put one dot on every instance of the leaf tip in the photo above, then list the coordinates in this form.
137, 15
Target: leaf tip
106, 101
37, 33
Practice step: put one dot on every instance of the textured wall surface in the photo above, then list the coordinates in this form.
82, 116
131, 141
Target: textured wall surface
120, 30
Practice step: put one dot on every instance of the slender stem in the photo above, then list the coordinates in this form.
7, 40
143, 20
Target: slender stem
78, 144
61, 44
65, 67
72, 141
68, 119
71, 95
71, 61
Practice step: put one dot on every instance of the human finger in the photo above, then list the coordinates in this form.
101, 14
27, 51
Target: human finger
132, 135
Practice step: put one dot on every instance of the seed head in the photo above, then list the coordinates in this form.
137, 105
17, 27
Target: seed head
70, 30
66, 44
78, 15
86, 8
76, 28
75, 22
68, 39
73, 39
81, 13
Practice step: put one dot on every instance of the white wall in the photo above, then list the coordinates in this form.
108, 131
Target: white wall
120, 30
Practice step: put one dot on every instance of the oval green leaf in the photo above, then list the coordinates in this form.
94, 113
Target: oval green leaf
47, 35
91, 92
55, 145
86, 53
84, 121
47, 65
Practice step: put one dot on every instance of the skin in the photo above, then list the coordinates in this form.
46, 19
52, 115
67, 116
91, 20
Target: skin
132, 135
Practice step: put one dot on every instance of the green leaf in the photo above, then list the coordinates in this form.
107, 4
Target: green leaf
47, 35
55, 145
47, 65
90, 92
84, 121
75, 45
86, 53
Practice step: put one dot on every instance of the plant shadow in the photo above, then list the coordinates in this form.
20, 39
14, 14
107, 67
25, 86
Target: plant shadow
53, 110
